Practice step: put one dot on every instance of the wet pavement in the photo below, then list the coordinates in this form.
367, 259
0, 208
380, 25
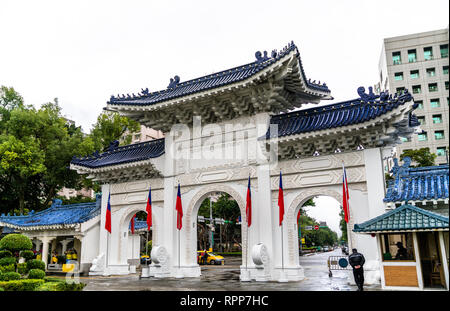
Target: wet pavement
226, 278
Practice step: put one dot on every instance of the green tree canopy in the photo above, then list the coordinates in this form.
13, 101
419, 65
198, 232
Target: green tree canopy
422, 156
111, 126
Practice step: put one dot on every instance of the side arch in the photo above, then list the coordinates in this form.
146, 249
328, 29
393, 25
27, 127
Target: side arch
291, 216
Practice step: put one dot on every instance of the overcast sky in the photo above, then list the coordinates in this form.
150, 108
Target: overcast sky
82, 52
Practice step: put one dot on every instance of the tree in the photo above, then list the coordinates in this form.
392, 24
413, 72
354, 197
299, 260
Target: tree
343, 225
422, 156
36, 147
111, 126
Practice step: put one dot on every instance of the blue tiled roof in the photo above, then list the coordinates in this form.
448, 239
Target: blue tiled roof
121, 155
215, 80
355, 111
417, 184
404, 218
57, 214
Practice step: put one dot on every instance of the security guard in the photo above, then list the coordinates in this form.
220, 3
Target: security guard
357, 261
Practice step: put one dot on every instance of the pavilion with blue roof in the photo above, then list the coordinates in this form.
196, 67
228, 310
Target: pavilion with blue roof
417, 218
60, 228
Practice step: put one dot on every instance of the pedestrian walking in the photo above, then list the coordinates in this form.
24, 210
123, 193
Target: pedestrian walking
357, 261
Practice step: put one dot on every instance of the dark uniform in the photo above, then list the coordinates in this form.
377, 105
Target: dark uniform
356, 259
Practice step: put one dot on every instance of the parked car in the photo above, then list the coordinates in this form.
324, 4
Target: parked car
211, 258
326, 249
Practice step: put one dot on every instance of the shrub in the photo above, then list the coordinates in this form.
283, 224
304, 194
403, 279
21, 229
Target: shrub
27, 254
21, 285
8, 276
6, 261
5, 253
8, 268
49, 287
15, 242
22, 268
35, 264
36, 274
1, 289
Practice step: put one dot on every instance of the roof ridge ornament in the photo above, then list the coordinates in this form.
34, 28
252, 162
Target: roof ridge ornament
113, 145
260, 58
173, 82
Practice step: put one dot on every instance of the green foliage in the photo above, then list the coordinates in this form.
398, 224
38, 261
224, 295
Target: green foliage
343, 225
35, 264
2, 289
5, 253
60, 285
8, 276
21, 285
22, 268
8, 268
149, 247
15, 242
27, 254
36, 147
36, 274
111, 126
75, 200
422, 156
6, 261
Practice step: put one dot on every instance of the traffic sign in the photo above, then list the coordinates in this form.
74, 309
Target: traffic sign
316, 227
308, 228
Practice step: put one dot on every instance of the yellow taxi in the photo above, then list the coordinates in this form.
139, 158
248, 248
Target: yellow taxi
211, 258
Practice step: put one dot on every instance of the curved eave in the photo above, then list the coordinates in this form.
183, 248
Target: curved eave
254, 79
343, 129
42, 227
400, 230
108, 168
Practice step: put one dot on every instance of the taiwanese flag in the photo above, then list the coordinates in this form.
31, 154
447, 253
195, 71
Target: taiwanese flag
281, 201
248, 208
108, 215
148, 209
179, 210
298, 216
132, 224
345, 196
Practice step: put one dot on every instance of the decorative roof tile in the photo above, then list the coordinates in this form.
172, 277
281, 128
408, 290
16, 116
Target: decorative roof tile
359, 110
417, 183
57, 215
215, 80
120, 155
404, 218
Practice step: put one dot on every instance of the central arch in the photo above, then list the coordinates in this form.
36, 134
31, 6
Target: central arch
191, 218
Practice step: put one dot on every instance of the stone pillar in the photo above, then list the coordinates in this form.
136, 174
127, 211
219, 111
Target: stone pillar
64, 244
45, 248
38, 244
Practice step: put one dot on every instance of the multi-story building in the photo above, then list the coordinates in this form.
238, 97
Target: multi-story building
419, 63
145, 134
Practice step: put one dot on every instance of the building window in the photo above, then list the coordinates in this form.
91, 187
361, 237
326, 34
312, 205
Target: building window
419, 104
423, 136
434, 103
446, 85
416, 89
405, 139
445, 70
440, 151
432, 87
398, 76
428, 53
421, 120
412, 56
437, 118
414, 74
396, 58
438, 135
397, 246
400, 90
431, 72
444, 50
